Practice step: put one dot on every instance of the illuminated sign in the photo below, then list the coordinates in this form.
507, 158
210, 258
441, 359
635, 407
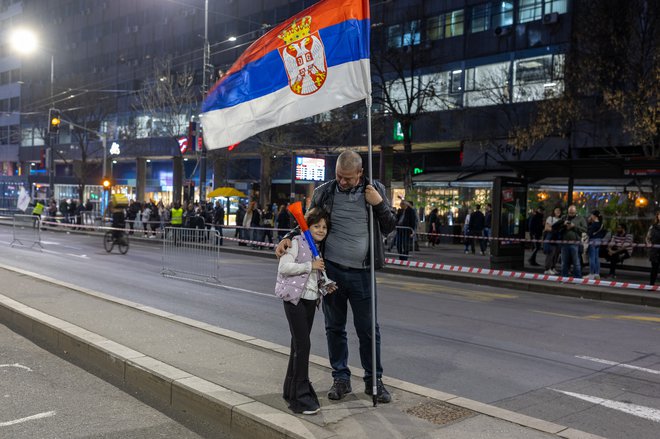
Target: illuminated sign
114, 149
310, 169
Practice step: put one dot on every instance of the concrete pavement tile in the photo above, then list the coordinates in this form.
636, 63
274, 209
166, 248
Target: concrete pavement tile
117, 350
159, 368
484, 427
571, 433
257, 420
230, 334
507, 415
267, 345
419, 390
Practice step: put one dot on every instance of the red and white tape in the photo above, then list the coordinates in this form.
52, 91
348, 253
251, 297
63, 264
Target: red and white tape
522, 275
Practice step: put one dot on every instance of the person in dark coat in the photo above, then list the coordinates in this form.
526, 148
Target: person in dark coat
405, 230
536, 225
476, 228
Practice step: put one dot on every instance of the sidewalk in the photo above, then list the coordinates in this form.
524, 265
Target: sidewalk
232, 381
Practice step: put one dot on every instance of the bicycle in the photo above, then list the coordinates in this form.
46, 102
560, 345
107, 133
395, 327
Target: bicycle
121, 240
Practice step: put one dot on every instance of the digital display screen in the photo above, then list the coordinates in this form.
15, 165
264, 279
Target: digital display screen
310, 169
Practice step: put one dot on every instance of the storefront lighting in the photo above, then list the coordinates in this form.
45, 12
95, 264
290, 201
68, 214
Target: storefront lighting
641, 201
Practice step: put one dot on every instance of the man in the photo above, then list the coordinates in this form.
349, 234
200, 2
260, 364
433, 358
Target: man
571, 228
476, 228
405, 229
619, 248
218, 221
536, 224
346, 259
488, 221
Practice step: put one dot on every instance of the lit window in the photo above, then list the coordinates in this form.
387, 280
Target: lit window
558, 6
503, 14
480, 18
434, 28
403, 35
454, 23
530, 10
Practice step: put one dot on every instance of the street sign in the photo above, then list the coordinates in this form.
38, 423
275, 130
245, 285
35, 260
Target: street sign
183, 144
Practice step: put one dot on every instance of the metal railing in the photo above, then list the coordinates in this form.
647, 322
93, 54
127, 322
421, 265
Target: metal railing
191, 254
26, 229
404, 240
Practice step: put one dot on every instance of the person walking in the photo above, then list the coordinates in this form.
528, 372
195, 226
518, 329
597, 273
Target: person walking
346, 256
218, 221
653, 238
298, 286
433, 228
476, 229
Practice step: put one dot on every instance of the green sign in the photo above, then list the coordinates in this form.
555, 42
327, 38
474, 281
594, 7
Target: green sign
417, 171
398, 132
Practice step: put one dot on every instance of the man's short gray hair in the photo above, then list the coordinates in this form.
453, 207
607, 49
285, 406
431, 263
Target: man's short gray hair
349, 160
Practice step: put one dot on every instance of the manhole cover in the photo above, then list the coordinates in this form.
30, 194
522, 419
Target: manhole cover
439, 412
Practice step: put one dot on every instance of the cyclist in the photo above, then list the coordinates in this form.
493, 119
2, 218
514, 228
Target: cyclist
118, 218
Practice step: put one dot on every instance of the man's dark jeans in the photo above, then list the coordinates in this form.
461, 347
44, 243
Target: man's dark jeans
354, 287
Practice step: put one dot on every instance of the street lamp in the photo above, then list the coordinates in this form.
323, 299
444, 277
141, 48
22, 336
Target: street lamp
26, 42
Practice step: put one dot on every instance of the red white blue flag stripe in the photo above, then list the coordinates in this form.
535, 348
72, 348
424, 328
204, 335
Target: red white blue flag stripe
313, 62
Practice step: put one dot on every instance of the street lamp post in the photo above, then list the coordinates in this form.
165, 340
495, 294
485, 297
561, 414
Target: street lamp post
25, 41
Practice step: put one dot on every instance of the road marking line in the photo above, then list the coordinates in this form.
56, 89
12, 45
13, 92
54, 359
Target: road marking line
29, 418
614, 363
632, 409
17, 365
248, 291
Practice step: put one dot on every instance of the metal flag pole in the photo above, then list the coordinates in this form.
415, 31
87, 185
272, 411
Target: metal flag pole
372, 268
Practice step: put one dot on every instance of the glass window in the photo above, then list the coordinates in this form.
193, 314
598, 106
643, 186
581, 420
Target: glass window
503, 14
407, 34
411, 35
454, 23
434, 28
530, 10
456, 81
534, 69
480, 18
14, 106
394, 36
558, 6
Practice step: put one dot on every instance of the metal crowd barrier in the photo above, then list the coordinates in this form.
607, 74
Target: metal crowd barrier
191, 254
404, 240
26, 229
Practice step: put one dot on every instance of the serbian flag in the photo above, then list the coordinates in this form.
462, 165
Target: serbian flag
313, 62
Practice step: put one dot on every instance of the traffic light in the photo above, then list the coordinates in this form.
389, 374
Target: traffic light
106, 183
54, 120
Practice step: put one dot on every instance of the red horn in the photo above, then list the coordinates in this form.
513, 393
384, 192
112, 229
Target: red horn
296, 211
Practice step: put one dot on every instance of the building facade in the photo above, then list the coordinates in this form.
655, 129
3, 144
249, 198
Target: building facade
476, 71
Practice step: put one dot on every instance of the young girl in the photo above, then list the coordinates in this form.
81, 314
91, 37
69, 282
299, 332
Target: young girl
298, 285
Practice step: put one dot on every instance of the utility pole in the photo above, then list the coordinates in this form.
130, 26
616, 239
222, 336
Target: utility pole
207, 56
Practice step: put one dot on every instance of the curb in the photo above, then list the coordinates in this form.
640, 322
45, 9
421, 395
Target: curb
229, 412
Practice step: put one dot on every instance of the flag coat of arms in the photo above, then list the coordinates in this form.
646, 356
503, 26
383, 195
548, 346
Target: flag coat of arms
313, 62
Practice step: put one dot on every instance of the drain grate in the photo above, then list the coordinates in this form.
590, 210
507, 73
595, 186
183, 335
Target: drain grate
439, 412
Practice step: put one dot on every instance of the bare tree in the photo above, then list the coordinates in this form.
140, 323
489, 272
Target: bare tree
612, 79
402, 91
166, 102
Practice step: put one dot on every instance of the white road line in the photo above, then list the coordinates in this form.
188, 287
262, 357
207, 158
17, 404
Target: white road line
614, 363
632, 409
29, 418
249, 291
17, 365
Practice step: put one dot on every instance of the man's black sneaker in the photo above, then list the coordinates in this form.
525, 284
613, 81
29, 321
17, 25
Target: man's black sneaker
383, 395
339, 389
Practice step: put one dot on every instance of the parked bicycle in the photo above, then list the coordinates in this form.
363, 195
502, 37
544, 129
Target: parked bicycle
118, 238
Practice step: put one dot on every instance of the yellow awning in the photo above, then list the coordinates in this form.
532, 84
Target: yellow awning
225, 192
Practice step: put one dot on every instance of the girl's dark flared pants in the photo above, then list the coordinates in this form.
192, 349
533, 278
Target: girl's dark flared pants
298, 391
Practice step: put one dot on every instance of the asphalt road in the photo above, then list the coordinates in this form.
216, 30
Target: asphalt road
44, 396
591, 365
